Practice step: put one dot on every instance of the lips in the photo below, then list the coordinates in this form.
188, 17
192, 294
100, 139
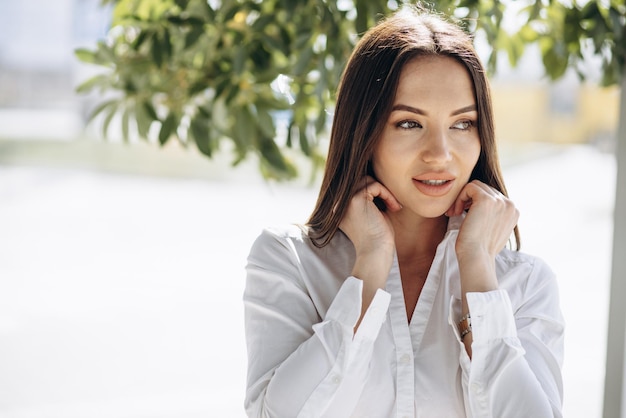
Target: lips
434, 184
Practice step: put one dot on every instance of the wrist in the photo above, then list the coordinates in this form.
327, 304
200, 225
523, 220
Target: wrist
472, 253
465, 326
373, 269
478, 273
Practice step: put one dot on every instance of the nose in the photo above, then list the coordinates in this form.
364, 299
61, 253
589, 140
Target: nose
436, 147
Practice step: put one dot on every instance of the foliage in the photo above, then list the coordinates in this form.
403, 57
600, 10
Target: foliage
570, 33
202, 71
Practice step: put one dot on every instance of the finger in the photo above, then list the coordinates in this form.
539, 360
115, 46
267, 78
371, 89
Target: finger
489, 190
362, 184
376, 189
463, 201
472, 192
366, 181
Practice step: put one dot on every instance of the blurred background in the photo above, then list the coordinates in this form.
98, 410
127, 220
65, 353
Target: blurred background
122, 262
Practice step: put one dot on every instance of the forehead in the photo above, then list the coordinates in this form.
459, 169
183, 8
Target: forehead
437, 78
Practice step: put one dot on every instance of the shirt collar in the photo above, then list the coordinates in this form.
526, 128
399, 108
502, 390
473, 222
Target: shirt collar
454, 223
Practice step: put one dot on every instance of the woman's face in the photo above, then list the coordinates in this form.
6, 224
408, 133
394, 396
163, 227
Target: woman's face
430, 142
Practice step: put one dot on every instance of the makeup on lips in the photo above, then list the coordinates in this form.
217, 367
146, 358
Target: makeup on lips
434, 184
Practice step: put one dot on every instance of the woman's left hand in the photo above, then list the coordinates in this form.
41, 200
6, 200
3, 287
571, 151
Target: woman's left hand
490, 219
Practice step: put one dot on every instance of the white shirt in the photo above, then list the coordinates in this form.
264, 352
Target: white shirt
304, 359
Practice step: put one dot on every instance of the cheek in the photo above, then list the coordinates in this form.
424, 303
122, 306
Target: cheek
475, 153
381, 161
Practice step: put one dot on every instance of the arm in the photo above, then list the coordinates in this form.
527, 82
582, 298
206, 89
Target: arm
490, 219
508, 370
371, 233
300, 365
516, 354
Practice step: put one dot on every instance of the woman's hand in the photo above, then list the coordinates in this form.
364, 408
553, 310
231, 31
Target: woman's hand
364, 223
487, 227
490, 219
489, 222
371, 233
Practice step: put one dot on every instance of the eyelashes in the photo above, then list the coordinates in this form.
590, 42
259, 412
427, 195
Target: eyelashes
463, 125
408, 124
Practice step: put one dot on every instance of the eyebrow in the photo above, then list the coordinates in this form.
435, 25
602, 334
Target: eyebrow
418, 111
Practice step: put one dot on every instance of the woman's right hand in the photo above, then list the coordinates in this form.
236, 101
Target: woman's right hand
371, 233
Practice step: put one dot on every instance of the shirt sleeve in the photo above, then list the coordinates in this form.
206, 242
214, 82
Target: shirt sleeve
515, 368
301, 365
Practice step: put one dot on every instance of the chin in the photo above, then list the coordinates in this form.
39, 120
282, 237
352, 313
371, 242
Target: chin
430, 213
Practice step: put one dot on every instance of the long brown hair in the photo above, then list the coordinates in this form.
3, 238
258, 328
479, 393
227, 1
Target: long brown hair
365, 97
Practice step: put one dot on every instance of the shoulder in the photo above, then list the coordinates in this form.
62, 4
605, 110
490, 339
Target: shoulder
509, 260
289, 254
525, 276
294, 242
298, 236
284, 240
282, 235
291, 231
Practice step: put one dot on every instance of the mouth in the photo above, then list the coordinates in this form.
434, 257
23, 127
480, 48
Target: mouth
434, 182
434, 185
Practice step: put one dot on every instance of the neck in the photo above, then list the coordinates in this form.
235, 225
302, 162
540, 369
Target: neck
417, 237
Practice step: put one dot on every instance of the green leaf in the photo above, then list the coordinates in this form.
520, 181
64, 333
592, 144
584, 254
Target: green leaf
144, 119
361, 22
304, 61
244, 132
100, 80
230, 12
239, 59
266, 123
101, 107
125, 124
150, 110
554, 63
182, 4
275, 163
157, 52
290, 129
305, 145
201, 9
166, 44
197, 87
85, 55
193, 35
260, 57
528, 34
199, 128
141, 38
320, 122
107, 121
104, 54
302, 40
168, 127
261, 23
515, 49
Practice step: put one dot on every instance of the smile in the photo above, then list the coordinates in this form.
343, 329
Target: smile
434, 187
434, 182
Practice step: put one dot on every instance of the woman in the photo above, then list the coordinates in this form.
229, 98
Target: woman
399, 298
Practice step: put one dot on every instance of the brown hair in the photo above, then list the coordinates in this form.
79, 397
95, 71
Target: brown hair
365, 97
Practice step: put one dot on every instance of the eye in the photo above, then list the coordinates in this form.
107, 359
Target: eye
464, 125
408, 124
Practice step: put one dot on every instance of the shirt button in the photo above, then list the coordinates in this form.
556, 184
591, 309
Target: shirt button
405, 359
336, 379
475, 387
